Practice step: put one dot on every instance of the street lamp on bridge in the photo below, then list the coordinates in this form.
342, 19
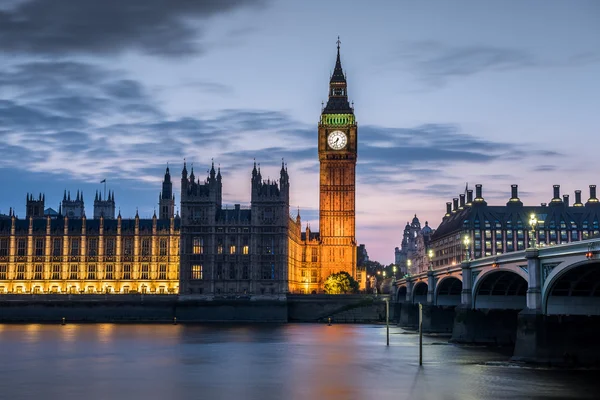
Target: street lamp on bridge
467, 242
532, 223
430, 255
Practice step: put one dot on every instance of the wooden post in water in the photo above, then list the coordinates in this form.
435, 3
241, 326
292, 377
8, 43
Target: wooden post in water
387, 321
420, 334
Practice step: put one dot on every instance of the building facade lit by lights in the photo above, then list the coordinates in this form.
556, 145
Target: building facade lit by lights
263, 250
65, 252
501, 229
211, 249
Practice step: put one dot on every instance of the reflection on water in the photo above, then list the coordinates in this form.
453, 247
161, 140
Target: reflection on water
107, 361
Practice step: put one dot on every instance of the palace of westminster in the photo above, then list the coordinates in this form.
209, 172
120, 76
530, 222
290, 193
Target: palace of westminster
211, 250
208, 249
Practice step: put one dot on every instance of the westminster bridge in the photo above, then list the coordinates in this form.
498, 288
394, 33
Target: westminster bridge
545, 301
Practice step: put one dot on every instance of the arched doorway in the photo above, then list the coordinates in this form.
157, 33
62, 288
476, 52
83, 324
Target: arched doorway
448, 292
575, 292
502, 289
420, 293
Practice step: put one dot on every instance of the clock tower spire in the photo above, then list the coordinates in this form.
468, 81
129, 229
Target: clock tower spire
338, 144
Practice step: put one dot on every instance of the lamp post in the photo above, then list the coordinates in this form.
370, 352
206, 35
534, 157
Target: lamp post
408, 265
532, 223
430, 255
467, 242
394, 269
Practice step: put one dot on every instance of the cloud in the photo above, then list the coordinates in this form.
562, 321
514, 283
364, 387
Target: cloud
162, 27
545, 168
436, 63
79, 123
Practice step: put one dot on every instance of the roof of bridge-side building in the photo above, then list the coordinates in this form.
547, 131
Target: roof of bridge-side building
517, 217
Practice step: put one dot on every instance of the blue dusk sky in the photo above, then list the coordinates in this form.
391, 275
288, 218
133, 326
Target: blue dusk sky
445, 92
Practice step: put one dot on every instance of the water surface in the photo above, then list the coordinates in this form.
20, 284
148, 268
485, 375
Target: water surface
295, 361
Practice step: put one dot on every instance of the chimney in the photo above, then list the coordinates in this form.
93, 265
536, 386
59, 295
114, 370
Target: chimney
514, 189
566, 200
556, 197
478, 196
455, 201
593, 193
543, 204
469, 196
448, 208
461, 201
578, 199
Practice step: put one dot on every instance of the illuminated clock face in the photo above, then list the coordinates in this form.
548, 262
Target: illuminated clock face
337, 140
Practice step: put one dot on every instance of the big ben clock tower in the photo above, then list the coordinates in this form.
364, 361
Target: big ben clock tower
337, 156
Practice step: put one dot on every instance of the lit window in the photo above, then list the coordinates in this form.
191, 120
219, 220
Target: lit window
198, 245
39, 268
245, 250
145, 271
163, 247
162, 271
127, 271
91, 271
73, 274
197, 272
110, 269
232, 249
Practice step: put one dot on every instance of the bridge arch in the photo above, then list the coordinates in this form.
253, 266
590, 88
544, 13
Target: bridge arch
401, 294
448, 291
419, 292
573, 289
500, 288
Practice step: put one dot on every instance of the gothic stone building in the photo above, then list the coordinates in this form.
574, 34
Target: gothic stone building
68, 253
262, 250
501, 229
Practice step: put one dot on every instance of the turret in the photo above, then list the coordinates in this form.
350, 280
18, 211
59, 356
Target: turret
35, 208
74, 209
166, 200
104, 208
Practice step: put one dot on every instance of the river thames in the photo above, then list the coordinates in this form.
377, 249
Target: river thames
294, 361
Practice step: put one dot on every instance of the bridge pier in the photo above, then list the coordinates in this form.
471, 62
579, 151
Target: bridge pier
438, 319
488, 326
559, 340
409, 316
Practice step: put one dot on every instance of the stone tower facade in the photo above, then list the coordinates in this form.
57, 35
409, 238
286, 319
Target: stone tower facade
73, 208
35, 207
234, 251
338, 145
104, 207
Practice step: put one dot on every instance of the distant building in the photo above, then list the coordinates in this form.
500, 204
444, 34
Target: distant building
501, 229
415, 241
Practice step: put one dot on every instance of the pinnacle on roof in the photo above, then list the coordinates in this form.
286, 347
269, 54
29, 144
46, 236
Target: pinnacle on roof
338, 72
338, 94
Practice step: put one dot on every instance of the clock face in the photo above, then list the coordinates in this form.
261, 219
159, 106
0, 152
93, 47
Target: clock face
337, 140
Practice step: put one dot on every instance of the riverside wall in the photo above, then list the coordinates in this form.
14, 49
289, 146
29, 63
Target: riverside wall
190, 309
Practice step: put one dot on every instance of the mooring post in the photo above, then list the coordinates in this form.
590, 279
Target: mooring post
329, 321
63, 321
420, 334
387, 321
174, 320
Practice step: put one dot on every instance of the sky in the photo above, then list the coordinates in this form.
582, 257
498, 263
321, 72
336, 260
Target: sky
445, 94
